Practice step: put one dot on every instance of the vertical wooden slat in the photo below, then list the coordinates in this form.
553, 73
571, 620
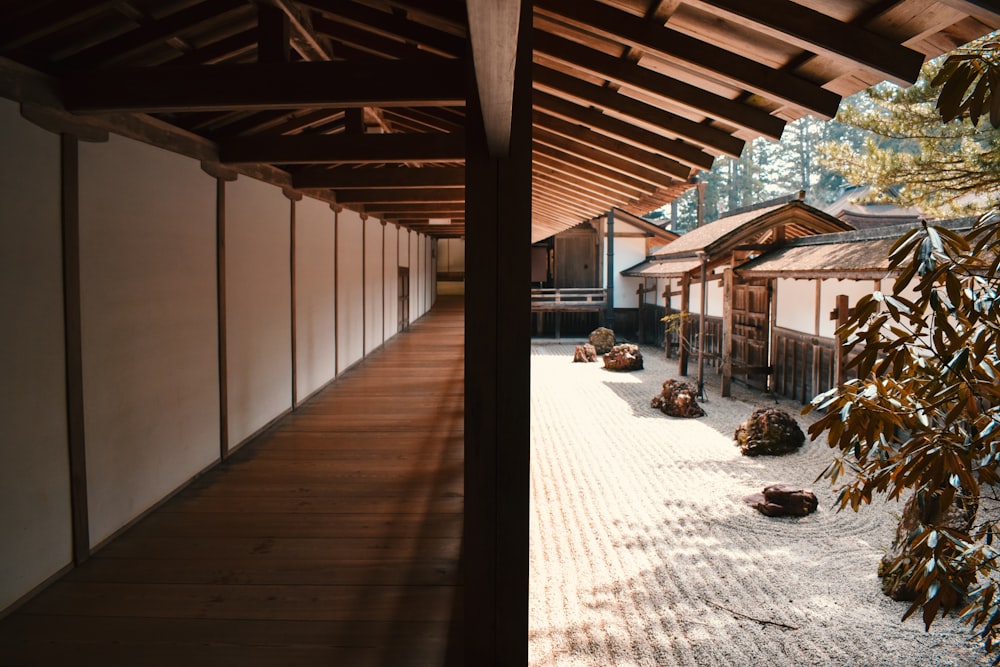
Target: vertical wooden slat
497, 376
220, 273
70, 170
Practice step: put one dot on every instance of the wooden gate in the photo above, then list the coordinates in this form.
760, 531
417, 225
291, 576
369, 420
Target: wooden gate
751, 331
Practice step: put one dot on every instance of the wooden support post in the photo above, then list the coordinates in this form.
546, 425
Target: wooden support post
840, 314
667, 298
685, 330
727, 332
773, 360
76, 428
497, 373
703, 306
817, 358
220, 277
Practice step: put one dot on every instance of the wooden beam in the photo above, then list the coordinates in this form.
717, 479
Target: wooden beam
816, 32
684, 94
258, 86
426, 210
308, 43
493, 35
378, 177
390, 25
711, 138
736, 69
334, 148
602, 123
401, 196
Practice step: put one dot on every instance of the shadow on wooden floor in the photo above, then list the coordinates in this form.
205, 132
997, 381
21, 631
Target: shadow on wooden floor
332, 539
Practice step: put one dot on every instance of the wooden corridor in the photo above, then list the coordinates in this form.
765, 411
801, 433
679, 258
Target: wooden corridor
332, 539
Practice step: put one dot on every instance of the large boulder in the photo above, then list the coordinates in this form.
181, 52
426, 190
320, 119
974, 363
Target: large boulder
783, 500
678, 399
625, 357
769, 431
584, 353
603, 339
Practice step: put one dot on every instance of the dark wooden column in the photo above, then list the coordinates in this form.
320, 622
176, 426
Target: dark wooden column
497, 376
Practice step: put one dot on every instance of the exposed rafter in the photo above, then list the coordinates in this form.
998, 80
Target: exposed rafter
269, 86
356, 177
342, 148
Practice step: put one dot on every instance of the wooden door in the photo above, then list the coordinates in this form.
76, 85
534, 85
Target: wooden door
576, 260
751, 331
403, 317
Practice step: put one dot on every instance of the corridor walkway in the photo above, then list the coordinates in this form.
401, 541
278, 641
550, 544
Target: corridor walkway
331, 539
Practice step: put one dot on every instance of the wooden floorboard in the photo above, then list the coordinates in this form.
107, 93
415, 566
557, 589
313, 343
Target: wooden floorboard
334, 538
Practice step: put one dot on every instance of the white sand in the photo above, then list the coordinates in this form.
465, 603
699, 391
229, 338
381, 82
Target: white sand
643, 552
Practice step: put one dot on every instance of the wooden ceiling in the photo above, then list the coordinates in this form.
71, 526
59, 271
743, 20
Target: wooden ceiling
362, 102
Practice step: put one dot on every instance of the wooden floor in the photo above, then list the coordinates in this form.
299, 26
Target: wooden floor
333, 539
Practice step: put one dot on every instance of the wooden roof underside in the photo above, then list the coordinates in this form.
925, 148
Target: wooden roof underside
362, 102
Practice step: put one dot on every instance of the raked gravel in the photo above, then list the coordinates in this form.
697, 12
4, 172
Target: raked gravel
644, 554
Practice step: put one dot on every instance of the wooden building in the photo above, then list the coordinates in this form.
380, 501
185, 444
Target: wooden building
729, 315
815, 281
186, 185
582, 286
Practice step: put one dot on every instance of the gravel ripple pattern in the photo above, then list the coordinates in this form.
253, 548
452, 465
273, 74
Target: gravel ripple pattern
644, 554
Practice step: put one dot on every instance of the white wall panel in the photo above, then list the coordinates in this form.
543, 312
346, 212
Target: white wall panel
350, 289
628, 252
829, 289
795, 305
391, 280
150, 327
35, 532
258, 306
404, 246
374, 307
315, 297
415, 276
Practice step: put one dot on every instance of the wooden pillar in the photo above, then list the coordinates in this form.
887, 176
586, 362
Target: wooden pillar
841, 314
667, 299
609, 319
497, 372
76, 430
727, 331
773, 359
685, 330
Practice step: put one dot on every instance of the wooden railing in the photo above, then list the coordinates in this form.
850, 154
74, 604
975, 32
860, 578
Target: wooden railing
569, 299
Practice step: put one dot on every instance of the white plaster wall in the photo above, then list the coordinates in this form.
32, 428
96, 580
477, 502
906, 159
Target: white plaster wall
35, 531
715, 298
628, 252
258, 306
374, 307
315, 297
149, 326
829, 289
350, 289
391, 281
404, 246
795, 305
451, 255
415, 276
